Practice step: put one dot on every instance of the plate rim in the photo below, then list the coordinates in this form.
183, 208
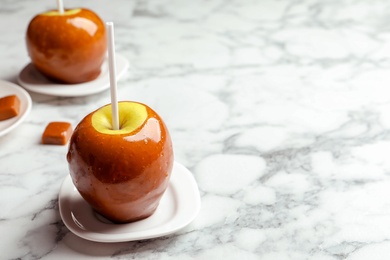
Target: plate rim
122, 65
186, 175
24, 114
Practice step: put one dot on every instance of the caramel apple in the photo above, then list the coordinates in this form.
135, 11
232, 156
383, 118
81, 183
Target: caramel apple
68, 46
121, 173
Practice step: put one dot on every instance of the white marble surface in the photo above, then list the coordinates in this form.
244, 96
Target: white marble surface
281, 109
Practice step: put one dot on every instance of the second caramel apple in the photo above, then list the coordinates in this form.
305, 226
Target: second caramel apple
67, 47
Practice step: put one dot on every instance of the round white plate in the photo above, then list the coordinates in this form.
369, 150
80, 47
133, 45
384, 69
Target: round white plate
178, 207
6, 89
31, 79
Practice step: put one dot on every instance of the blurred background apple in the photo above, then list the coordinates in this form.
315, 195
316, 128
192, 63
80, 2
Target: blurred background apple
67, 47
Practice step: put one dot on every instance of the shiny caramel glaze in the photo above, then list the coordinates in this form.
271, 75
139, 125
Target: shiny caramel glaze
67, 48
122, 176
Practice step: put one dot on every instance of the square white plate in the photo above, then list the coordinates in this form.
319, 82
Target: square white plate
178, 207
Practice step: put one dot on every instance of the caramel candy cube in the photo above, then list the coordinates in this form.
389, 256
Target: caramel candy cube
57, 133
9, 107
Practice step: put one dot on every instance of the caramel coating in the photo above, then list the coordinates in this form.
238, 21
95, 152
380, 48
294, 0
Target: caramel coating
67, 48
122, 176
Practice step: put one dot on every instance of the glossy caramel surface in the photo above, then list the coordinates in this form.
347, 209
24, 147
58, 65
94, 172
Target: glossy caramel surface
122, 176
67, 48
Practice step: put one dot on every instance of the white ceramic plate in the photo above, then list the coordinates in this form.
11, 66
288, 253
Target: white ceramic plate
6, 89
178, 207
31, 79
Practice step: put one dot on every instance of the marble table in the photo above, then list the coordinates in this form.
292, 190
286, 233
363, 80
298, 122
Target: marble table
280, 109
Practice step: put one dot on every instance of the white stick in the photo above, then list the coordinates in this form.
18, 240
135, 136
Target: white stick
112, 70
60, 6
